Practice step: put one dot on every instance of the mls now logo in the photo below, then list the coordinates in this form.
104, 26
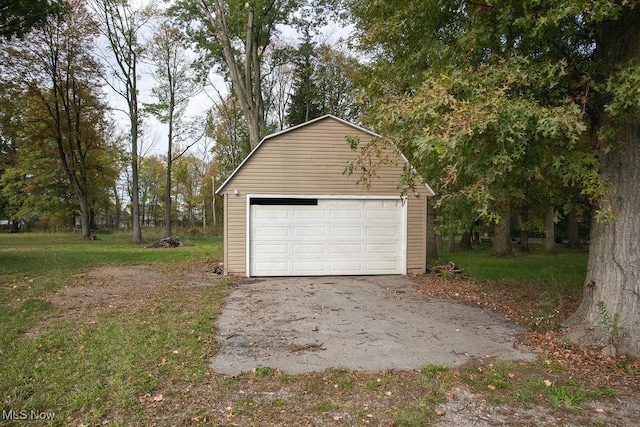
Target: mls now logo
31, 415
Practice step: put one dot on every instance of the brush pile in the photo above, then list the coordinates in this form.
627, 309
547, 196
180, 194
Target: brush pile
167, 242
450, 270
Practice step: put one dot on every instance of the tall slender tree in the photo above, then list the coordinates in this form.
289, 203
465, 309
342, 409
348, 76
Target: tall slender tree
175, 86
121, 25
305, 100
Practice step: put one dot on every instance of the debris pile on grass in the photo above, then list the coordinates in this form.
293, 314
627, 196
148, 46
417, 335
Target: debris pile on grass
218, 269
447, 270
167, 242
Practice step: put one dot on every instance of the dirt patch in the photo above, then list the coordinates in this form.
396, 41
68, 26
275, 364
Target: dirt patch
127, 289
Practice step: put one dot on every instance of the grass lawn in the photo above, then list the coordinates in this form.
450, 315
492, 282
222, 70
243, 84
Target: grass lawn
108, 332
567, 269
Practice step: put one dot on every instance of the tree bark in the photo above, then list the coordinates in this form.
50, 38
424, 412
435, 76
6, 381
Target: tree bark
502, 233
465, 241
247, 85
550, 236
524, 241
572, 230
613, 276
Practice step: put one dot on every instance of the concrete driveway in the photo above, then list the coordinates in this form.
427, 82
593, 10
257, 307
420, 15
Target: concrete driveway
360, 323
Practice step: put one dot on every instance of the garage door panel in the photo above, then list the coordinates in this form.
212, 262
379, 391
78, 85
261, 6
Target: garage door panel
299, 231
381, 265
271, 232
303, 249
336, 236
382, 231
346, 249
388, 248
278, 268
353, 231
308, 214
381, 214
308, 267
272, 214
275, 249
344, 214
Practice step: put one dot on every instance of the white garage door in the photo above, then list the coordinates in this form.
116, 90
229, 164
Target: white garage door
311, 237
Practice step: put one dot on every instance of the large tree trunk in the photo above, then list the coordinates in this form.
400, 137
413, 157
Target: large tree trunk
550, 235
613, 275
502, 233
612, 286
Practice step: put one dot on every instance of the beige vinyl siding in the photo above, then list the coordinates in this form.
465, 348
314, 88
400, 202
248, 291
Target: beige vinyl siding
310, 160
417, 234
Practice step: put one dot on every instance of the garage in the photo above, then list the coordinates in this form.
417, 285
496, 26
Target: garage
290, 209
326, 236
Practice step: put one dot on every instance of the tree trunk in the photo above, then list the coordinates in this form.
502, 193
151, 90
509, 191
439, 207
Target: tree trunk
572, 230
84, 217
452, 243
524, 241
612, 286
167, 196
135, 184
465, 241
613, 276
432, 244
502, 233
550, 235
247, 87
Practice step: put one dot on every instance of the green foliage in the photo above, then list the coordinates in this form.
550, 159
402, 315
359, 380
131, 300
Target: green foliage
493, 376
322, 83
610, 323
434, 370
62, 150
18, 17
497, 97
410, 418
264, 372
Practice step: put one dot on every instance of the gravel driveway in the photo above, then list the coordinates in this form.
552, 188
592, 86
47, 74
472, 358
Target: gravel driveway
359, 323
